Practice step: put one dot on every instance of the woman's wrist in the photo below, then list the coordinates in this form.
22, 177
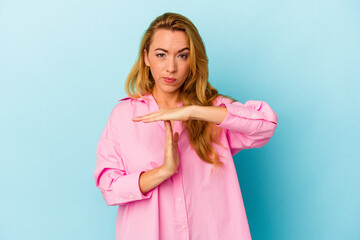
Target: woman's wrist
165, 173
212, 114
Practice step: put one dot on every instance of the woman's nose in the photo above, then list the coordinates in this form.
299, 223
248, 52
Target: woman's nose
171, 65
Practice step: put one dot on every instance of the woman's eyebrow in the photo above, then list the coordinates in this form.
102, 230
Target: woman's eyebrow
168, 51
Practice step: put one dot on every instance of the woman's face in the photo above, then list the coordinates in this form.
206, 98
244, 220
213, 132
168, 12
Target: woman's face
168, 59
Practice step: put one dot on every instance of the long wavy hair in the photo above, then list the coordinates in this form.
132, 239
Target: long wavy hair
196, 90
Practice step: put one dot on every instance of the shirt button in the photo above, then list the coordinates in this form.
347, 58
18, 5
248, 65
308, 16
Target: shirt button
131, 196
238, 112
121, 199
253, 116
179, 199
182, 226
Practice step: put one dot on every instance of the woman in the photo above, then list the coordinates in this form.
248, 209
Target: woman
165, 155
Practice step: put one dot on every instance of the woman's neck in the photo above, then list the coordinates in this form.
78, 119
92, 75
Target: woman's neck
166, 100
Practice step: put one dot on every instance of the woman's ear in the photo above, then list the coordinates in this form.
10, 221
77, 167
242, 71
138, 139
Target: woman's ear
146, 60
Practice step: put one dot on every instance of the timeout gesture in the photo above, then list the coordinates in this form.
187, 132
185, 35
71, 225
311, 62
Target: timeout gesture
177, 113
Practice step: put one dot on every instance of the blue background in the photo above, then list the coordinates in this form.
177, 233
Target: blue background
63, 66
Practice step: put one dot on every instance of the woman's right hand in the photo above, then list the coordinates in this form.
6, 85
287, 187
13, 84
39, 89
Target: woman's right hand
171, 161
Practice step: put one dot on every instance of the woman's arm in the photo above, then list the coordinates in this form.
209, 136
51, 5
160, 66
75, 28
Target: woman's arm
248, 125
117, 186
212, 114
152, 178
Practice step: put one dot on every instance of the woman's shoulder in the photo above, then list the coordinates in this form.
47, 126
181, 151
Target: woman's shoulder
128, 102
221, 98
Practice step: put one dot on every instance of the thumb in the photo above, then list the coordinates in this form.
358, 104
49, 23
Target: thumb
176, 137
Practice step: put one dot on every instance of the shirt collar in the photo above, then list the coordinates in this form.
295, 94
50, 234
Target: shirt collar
153, 106
145, 98
149, 98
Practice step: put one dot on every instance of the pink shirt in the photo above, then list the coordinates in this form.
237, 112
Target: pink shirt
191, 204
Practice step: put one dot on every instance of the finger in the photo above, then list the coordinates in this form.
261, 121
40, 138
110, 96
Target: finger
168, 133
145, 119
141, 117
160, 115
136, 119
145, 116
151, 117
176, 138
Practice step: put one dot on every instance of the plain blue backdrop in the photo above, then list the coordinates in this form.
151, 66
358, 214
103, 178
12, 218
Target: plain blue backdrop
63, 66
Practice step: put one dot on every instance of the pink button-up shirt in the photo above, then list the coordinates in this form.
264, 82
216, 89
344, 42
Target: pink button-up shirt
191, 204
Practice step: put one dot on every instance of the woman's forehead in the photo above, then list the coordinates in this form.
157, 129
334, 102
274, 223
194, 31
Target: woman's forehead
169, 40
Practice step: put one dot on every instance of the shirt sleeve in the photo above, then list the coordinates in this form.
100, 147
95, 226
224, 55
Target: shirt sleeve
118, 187
249, 125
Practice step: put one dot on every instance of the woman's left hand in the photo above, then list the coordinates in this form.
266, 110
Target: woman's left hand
177, 114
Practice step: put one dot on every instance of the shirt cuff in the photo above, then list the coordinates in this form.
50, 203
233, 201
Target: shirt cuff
127, 188
238, 111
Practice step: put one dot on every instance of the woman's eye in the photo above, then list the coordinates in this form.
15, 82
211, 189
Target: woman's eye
184, 56
160, 55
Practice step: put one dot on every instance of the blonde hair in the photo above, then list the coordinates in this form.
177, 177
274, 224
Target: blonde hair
196, 90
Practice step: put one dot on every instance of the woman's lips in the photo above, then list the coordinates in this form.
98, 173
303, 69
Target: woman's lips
169, 80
